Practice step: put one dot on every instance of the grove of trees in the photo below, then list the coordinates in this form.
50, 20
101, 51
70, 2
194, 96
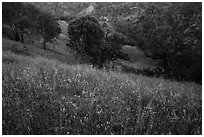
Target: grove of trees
24, 19
173, 37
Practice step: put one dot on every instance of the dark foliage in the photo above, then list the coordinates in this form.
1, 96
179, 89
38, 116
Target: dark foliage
88, 40
47, 27
86, 37
22, 19
173, 37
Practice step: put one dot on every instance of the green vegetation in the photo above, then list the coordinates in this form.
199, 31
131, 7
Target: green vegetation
42, 96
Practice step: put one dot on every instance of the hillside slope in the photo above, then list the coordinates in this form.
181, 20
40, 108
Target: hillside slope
49, 92
57, 51
42, 96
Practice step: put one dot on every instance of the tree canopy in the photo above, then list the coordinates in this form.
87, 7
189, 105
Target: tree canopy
87, 38
24, 19
47, 27
173, 36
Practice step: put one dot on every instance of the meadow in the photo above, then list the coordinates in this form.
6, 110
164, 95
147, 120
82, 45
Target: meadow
45, 96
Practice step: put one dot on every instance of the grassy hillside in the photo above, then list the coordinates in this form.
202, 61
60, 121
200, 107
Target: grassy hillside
50, 92
44, 96
137, 57
57, 51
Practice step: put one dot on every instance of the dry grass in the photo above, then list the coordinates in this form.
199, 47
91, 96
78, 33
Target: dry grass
57, 51
42, 96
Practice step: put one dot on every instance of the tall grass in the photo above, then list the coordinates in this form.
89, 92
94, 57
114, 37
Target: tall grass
43, 96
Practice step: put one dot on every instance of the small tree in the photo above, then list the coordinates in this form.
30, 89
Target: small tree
86, 37
47, 27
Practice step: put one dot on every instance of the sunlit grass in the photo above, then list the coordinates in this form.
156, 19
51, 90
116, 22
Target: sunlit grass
42, 96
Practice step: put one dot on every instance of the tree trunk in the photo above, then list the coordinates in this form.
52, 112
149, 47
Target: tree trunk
44, 45
17, 38
22, 40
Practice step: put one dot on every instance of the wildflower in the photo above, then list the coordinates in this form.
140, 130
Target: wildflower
98, 109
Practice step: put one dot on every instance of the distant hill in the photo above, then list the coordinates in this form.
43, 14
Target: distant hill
120, 15
125, 9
